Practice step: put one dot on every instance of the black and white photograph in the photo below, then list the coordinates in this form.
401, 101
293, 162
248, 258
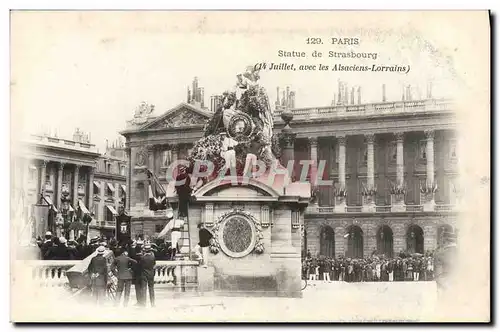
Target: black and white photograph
250, 166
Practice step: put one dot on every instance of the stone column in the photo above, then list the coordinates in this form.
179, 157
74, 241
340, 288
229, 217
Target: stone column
313, 177
313, 153
90, 201
342, 159
398, 193
75, 186
369, 194
175, 151
429, 135
341, 192
43, 174
60, 175
370, 166
128, 175
399, 159
151, 157
430, 186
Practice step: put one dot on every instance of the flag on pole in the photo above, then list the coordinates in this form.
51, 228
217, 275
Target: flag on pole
157, 194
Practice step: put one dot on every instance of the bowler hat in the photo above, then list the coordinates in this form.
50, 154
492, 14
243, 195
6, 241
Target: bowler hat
101, 250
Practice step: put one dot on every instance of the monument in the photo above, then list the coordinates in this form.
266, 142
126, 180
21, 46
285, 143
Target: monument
245, 197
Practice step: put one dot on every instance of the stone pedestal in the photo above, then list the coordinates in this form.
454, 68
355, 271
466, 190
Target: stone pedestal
428, 202
253, 252
398, 203
368, 203
340, 204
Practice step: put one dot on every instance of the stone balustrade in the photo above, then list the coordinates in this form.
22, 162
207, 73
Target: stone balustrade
52, 273
327, 210
361, 110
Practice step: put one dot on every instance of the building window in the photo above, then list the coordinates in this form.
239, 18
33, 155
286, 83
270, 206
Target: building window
109, 189
122, 170
158, 228
167, 157
393, 151
422, 149
67, 176
453, 149
109, 214
96, 189
108, 167
337, 153
82, 177
363, 155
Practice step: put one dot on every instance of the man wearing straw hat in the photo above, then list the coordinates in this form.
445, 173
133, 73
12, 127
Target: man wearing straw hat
98, 270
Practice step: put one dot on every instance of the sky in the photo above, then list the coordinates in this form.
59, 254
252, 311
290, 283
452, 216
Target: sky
91, 70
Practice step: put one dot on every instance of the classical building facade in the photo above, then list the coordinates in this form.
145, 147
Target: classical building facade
109, 190
51, 181
392, 166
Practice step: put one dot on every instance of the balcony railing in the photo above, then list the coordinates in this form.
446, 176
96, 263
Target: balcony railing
385, 108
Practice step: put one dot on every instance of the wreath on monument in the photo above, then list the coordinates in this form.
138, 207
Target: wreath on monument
215, 245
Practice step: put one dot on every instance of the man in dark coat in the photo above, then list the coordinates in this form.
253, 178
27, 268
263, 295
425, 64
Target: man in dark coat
136, 254
205, 236
46, 245
123, 265
148, 263
98, 269
183, 189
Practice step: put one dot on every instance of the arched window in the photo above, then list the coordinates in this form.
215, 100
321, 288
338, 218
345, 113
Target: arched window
415, 239
354, 242
385, 241
327, 242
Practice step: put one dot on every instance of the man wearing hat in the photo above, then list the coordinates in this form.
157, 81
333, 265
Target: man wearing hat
136, 254
148, 263
98, 270
123, 265
47, 243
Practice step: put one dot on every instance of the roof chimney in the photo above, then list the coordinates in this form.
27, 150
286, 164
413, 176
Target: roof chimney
352, 96
384, 98
359, 95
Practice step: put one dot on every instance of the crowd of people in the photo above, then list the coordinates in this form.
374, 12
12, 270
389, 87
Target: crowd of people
59, 248
115, 266
404, 267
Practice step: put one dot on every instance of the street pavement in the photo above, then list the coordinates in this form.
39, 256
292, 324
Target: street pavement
327, 302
